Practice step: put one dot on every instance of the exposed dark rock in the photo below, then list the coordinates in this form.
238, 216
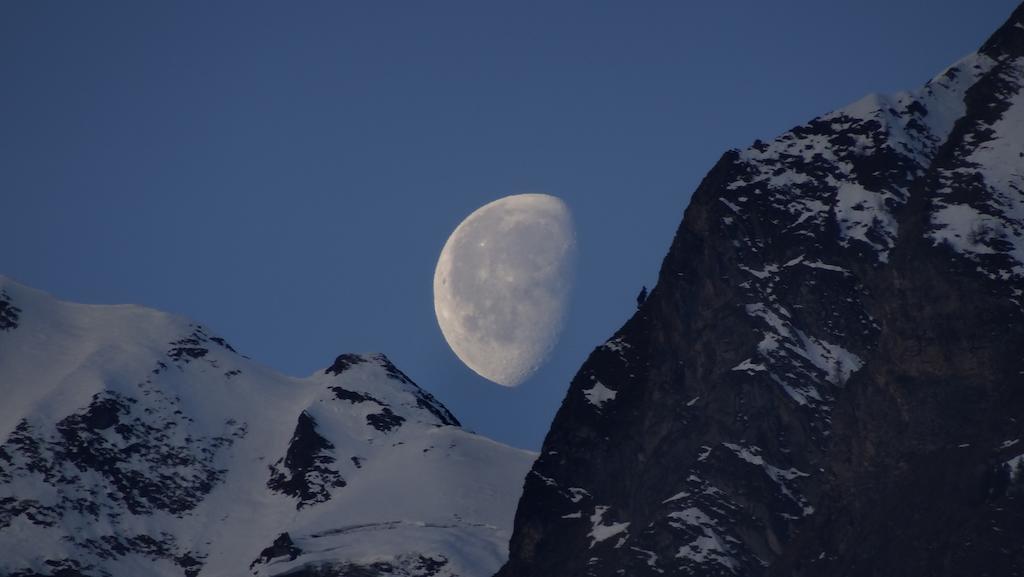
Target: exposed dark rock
85, 443
352, 396
9, 313
345, 362
385, 420
194, 346
190, 564
63, 568
405, 566
281, 547
818, 385
223, 343
186, 353
154, 547
304, 472
1008, 41
379, 569
424, 400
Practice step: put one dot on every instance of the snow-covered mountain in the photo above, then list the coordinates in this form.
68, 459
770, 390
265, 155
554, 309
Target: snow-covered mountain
135, 442
828, 379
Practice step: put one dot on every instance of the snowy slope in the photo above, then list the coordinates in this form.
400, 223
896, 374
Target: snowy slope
139, 443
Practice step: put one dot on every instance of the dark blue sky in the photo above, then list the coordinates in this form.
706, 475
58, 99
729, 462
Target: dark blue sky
287, 173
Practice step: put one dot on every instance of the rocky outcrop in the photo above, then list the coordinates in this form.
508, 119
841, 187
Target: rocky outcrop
305, 472
827, 378
423, 399
8, 313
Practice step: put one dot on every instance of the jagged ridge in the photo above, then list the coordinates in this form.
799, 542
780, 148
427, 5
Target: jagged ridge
826, 379
137, 443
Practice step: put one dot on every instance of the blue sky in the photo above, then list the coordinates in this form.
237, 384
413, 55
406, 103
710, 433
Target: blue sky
287, 173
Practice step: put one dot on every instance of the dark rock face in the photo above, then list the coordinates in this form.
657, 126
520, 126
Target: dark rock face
61, 568
353, 397
305, 472
385, 420
195, 346
410, 566
8, 313
827, 379
283, 546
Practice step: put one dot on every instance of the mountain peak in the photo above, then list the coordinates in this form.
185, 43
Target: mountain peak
1008, 40
365, 373
134, 442
346, 361
826, 379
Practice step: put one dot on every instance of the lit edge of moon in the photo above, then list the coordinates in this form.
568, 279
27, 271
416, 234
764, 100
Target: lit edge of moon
502, 284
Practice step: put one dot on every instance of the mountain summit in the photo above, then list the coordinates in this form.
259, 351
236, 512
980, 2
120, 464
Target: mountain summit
828, 379
140, 443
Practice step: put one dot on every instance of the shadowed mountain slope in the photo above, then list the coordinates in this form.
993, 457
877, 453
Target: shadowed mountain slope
828, 378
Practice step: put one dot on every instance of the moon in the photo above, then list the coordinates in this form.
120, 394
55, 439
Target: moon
502, 284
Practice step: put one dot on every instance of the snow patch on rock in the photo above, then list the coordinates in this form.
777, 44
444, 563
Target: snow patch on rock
599, 394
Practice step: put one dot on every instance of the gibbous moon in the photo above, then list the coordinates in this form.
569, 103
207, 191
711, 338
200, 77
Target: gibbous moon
502, 285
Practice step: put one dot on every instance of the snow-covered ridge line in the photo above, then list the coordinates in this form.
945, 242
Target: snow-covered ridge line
824, 169
801, 317
137, 442
979, 209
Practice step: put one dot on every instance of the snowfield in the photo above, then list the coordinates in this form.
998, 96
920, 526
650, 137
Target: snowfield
136, 442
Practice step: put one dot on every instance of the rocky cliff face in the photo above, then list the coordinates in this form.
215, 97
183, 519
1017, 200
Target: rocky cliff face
133, 442
828, 378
